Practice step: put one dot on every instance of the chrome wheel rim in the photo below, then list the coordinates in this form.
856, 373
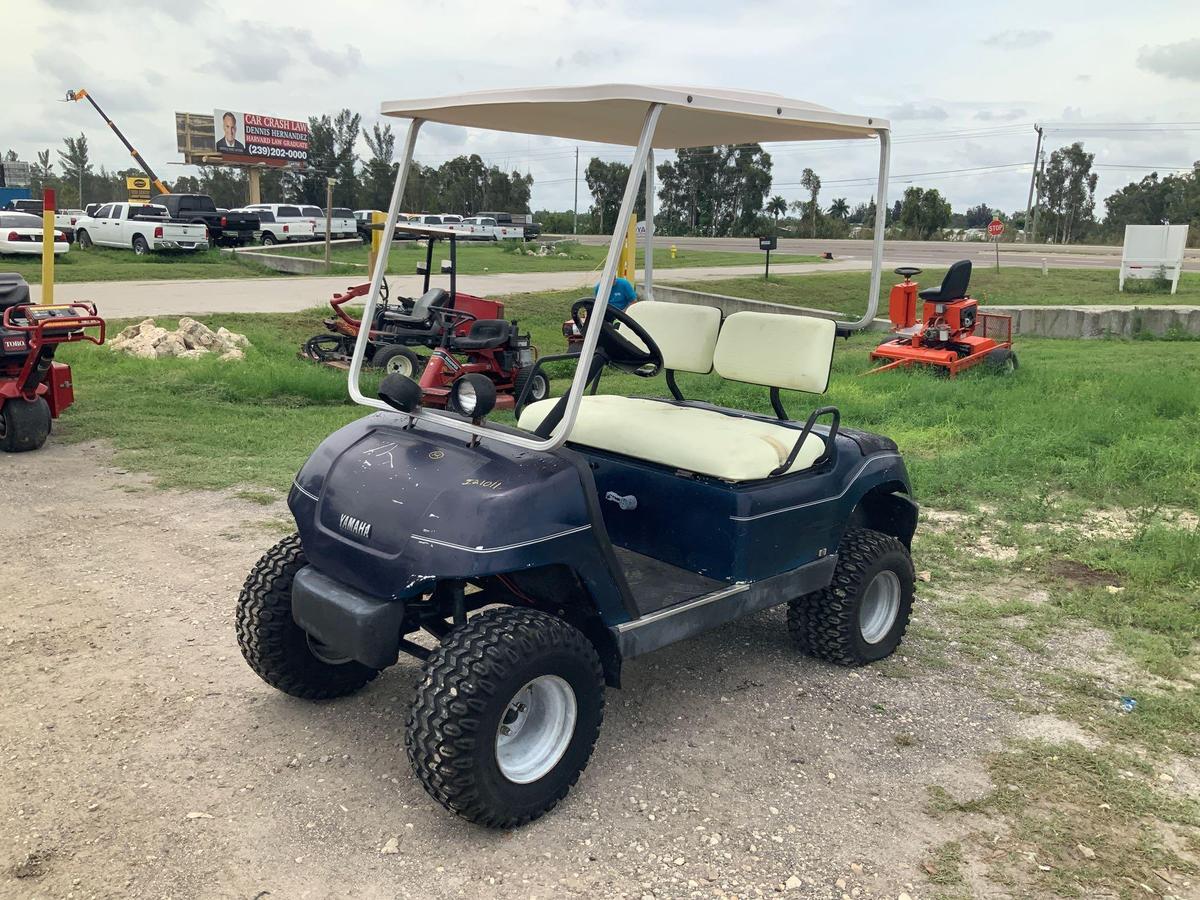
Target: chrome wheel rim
322, 652
880, 607
540, 389
536, 729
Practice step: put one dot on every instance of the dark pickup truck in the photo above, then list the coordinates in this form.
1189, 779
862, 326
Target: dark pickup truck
224, 227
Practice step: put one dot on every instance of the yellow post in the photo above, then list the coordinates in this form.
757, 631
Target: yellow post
48, 204
377, 218
674, 251
627, 261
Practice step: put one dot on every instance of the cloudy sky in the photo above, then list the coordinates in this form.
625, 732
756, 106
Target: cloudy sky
962, 83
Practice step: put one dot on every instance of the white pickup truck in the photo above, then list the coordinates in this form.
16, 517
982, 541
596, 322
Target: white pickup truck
485, 228
142, 227
280, 231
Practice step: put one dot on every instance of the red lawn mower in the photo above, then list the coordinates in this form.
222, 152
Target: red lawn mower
33, 387
953, 335
449, 323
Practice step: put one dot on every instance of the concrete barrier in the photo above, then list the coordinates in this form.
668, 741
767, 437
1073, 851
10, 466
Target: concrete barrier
270, 258
1090, 322
1085, 322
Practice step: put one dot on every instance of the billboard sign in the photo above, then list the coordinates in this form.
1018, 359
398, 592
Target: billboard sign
251, 138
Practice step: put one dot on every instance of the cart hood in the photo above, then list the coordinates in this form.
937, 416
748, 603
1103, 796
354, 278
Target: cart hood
387, 508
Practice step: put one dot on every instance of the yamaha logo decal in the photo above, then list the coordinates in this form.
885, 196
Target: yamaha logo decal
356, 527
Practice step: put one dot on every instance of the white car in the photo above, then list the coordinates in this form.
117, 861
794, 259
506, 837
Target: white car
22, 233
142, 227
272, 231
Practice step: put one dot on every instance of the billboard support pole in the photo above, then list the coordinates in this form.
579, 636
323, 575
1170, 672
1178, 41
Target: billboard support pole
329, 183
255, 185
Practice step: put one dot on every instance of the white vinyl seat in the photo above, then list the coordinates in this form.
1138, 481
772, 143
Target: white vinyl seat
688, 438
768, 349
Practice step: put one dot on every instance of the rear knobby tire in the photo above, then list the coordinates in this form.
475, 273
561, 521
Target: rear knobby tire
274, 645
829, 624
24, 425
468, 690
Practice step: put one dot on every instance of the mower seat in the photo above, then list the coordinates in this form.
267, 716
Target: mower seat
953, 286
485, 334
13, 290
422, 310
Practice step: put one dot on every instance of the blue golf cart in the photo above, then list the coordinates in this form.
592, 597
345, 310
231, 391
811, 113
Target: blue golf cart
541, 557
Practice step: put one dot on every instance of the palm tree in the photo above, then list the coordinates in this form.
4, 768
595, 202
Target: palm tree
839, 209
776, 207
811, 182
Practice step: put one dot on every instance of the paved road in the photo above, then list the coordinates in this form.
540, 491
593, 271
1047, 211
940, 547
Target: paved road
129, 299
929, 253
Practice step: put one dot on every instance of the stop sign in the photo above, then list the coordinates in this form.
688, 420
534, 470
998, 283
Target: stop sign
995, 228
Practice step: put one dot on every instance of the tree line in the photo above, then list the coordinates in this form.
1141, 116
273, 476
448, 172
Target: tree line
709, 191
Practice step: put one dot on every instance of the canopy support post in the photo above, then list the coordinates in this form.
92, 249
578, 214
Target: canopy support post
885, 154
368, 315
648, 276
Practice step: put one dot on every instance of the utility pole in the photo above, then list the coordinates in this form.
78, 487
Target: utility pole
1039, 170
575, 215
329, 183
1032, 180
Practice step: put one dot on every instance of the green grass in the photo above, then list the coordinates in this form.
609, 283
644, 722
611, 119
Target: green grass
107, 264
846, 292
479, 258
1110, 422
1079, 823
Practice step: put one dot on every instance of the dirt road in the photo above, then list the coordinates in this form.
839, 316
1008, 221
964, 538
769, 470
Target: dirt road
140, 757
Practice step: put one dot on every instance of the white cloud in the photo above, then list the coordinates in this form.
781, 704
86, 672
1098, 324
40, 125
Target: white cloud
1180, 60
1018, 39
1000, 115
916, 111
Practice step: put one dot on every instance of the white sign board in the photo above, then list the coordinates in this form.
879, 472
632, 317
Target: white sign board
1153, 251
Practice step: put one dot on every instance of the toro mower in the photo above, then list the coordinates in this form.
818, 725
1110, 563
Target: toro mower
449, 323
33, 387
524, 566
952, 335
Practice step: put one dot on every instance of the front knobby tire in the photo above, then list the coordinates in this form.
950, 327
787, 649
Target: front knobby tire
278, 649
862, 615
468, 697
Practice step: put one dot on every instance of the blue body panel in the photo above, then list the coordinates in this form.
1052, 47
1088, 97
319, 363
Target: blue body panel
388, 509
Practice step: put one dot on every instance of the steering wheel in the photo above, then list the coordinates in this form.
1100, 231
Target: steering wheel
621, 352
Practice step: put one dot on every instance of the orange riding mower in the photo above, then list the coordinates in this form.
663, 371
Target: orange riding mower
952, 334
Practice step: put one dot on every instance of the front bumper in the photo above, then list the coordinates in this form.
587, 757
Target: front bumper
346, 620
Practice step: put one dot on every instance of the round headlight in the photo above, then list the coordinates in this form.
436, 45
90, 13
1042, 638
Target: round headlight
400, 392
473, 395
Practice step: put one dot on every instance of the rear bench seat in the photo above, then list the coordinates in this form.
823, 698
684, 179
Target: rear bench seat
772, 350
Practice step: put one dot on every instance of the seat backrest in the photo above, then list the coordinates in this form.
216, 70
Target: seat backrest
489, 330
13, 290
956, 282
776, 350
686, 334
431, 298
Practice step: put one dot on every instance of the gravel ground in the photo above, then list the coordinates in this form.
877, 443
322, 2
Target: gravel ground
140, 757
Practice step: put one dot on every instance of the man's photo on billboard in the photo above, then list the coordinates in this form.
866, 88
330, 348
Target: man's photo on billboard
229, 143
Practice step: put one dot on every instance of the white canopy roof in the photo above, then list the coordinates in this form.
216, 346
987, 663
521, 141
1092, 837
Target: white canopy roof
614, 114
